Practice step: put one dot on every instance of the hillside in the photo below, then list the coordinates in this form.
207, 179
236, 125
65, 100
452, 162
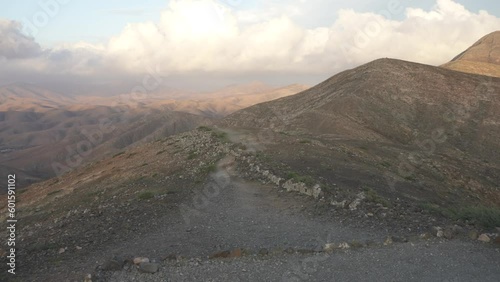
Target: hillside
432, 131
481, 58
360, 160
40, 129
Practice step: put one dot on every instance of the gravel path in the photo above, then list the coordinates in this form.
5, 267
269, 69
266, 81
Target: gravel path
253, 216
437, 261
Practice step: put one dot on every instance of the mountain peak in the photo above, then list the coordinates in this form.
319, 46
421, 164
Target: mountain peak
483, 57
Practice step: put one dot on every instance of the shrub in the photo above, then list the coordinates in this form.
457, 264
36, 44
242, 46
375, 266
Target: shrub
146, 195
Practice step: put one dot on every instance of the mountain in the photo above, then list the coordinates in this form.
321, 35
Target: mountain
26, 97
40, 129
397, 160
45, 144
434, 129
481, 58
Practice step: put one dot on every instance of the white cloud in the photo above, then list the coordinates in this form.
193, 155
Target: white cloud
196, 36
14, 44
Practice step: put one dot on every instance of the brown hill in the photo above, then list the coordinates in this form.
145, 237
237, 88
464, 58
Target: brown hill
389, 115
43, 144
389, 147
37, 125
481, 58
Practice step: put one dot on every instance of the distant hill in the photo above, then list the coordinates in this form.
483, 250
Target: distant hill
38, 126
481, 58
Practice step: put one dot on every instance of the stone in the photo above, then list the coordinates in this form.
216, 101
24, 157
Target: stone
497, 240
149, 267
88, 278
359, 198
236, 253
316, 191
263, 252
222, 254
339, 205
329, 247
78, 248
139, 260
113, 264
61, 250
473, 234
484, 238
388, 241
344, 246
458, 230
448, 233
425, 236
440, 234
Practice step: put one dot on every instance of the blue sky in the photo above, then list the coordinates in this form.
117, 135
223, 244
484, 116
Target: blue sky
96, 21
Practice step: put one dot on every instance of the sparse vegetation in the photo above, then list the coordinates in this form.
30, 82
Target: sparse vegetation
308, 180
42, 247
210, 168
374, 197
204, 128
385, 164
411, 178
161, 152
118, 154
146, 195
54, 192
305, 141
192, 155
486, 216
221, 135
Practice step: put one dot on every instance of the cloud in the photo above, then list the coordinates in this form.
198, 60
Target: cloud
205, 36
14, 44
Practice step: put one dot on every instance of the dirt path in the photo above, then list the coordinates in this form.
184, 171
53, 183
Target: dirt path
253, 217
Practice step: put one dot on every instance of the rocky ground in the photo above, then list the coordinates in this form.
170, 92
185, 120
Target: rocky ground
208, 207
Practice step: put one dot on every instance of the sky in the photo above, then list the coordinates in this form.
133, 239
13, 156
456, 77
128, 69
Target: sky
87, 47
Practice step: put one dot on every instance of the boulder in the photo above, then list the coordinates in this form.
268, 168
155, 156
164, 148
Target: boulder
484, 238
148, 267
139, 260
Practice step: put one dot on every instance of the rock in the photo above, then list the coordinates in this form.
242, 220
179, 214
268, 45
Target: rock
359, 198
497, 240
316, 191
78, 247
399, 239
339, 205
329, 247
484, 238
236, 253
344, 246
473, 234
171, 257
139, 260
458, 230
148, 267
222, 254
263, 252
369, 214
388, 241
425, 236
448, 233
437, 231
88, 278
113, 264
61, 250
